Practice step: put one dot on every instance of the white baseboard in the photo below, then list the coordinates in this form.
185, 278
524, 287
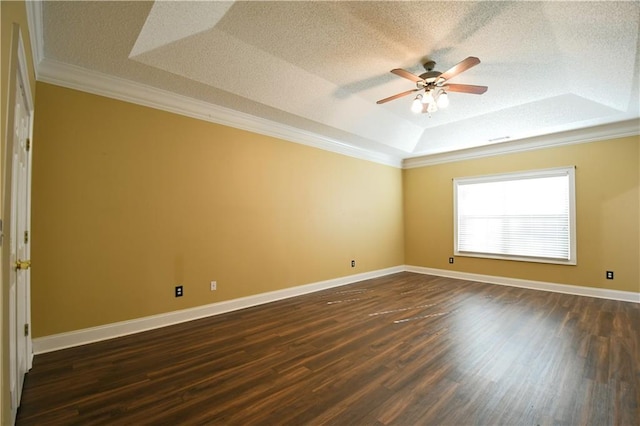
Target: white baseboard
123, 328
109, 331
602, 293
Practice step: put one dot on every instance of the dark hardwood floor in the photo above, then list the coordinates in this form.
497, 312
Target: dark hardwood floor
405, 349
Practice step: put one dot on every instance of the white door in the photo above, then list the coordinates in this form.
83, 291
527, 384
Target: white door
18, 231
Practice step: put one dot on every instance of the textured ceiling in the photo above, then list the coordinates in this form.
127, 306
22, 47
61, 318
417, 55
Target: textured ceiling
321, 66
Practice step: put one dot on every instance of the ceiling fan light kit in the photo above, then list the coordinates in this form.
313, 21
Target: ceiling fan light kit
431, 101
434, 86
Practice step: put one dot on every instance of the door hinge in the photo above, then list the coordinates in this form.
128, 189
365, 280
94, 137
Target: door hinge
26, 330
26, 237
28, 144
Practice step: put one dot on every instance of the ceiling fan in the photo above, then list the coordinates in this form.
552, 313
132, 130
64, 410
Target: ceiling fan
434, 85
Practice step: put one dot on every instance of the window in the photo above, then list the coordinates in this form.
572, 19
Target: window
527, 216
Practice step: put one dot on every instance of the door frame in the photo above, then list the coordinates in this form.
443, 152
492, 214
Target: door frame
18, 75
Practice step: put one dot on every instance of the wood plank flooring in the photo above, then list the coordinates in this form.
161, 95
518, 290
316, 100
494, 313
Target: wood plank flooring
405, 349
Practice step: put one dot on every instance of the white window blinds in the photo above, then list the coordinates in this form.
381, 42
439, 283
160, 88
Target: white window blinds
520, 216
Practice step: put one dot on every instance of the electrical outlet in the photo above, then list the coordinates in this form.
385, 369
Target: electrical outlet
353, 263
451, 260
609, 275
178, 291
214, 286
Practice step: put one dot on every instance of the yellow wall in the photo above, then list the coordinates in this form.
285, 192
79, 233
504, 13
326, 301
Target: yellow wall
608, 207
10, 12
129, 201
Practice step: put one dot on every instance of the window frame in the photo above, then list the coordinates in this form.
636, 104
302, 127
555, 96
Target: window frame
520, 175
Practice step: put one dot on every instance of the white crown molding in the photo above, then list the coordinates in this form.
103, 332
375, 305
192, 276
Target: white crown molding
74, 77
89, 81
118, 329
601, 293
571, 137
36, 32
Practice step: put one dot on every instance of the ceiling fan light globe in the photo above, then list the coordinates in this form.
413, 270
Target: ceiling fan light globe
416, 105
443, 100
428, 98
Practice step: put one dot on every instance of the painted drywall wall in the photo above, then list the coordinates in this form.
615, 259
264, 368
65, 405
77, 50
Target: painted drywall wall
607, 211
129, 202
11, 12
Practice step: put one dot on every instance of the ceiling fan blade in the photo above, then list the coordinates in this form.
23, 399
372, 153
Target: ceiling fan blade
471, 61
406, 74
399, 95
465, 88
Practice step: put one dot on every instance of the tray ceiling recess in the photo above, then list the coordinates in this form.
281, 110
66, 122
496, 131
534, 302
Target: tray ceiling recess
318, 72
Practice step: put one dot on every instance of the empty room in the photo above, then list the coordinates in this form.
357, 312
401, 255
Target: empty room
320, 213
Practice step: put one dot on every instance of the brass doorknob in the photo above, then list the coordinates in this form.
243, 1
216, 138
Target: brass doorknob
23, 264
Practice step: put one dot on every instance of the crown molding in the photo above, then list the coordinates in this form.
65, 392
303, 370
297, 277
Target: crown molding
571, 137
89, 81
36, 32
78, 78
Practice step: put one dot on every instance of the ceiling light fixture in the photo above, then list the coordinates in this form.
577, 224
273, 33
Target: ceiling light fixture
430, 101
435, 85
443, 100
416, 105
428, 97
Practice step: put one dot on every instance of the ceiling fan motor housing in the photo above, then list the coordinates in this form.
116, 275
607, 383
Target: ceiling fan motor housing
430, 76
429, 65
